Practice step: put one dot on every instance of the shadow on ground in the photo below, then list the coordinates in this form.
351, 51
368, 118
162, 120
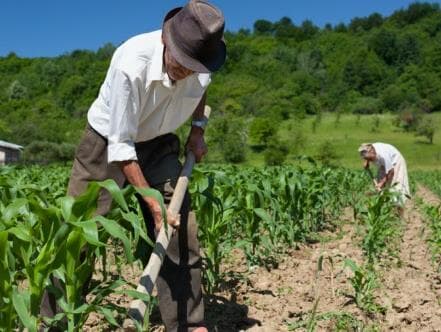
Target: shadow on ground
223, 315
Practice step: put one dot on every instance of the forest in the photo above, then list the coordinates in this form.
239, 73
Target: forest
276, 72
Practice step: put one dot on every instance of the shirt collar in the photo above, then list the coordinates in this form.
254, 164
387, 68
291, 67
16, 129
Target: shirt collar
156, 72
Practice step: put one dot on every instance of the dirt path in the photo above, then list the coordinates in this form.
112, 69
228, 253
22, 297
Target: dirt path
411, 291
427, 195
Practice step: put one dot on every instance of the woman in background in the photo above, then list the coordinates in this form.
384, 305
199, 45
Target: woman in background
392, 169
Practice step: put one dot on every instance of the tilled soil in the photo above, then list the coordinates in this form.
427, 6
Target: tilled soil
263, 299
412, 290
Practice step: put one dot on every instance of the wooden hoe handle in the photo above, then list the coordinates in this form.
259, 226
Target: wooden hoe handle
151, 271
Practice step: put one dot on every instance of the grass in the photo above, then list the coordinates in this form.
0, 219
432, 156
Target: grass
349, 131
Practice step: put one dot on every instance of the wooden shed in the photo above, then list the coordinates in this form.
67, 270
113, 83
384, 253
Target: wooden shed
9, 152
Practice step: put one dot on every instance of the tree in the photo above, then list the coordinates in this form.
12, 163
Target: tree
365, 105
341, 27
374, 20
105, 52
327, 153
285, 28
409, 118
409, 50
227, 135
275, 153
392, 97
360, 24
71, 92
261, 132
384, 44
48, 152
263, 27
308, 30
427, 129
17, 90
234, 148
306, 104
364, 72
414, 13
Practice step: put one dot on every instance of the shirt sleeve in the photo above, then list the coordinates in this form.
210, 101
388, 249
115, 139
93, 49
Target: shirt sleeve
124, 108
388, 163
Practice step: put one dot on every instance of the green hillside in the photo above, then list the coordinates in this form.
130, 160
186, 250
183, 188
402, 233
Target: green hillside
347, 133
275, 75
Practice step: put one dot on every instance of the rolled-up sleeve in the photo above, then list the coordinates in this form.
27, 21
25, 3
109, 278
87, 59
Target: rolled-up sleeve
124, 106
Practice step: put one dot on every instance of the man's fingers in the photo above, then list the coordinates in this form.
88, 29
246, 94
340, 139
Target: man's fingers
158, 221
173, 220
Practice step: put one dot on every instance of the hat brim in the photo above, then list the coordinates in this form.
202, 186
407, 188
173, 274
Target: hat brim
199, 66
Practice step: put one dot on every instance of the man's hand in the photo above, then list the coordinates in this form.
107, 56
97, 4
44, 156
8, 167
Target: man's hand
196, 143
155, 209
134, 175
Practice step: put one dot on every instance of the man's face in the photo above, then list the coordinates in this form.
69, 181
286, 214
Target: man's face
371, 155
174, 70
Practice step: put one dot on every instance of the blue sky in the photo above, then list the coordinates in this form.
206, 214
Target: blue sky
33, 28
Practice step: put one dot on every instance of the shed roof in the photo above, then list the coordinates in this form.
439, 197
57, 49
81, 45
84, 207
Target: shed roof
10, 145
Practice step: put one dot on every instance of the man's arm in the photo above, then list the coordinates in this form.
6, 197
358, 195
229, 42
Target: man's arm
133, 174
195, 141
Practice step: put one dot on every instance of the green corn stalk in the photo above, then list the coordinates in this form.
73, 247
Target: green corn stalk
42, 236
382, 226
364, 283
433, 217
213, 221
260, 210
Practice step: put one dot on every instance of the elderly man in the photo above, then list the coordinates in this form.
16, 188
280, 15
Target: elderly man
392, 168
155, 82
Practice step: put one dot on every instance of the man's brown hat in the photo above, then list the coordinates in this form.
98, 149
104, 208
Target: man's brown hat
194, 36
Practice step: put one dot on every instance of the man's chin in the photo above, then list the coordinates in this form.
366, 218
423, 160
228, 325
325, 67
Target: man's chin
173, 78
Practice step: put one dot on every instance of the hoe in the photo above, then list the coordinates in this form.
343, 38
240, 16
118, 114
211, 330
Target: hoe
151, 271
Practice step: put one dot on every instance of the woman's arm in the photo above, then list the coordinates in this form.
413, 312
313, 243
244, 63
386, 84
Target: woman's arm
386, 179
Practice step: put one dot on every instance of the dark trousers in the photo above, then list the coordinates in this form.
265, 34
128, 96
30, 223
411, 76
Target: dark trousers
179, 281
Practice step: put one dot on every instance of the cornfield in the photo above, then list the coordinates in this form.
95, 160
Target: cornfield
45, 234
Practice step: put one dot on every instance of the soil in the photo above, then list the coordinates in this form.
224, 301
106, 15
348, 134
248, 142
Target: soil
277, 298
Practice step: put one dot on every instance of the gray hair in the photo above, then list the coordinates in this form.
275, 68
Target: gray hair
364, 149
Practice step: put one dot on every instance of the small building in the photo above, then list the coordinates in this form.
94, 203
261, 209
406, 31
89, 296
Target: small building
9, 152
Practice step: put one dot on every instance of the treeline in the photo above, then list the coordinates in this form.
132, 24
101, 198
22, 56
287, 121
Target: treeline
276, 71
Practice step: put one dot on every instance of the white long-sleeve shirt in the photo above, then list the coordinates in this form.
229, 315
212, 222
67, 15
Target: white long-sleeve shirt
387, 156
137, 101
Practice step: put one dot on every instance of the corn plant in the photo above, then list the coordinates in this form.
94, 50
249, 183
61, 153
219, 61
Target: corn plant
261, 211
213, 221
343, 321
42, 239
431, 179
433, 216
382, 226
265, 209
364, 282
